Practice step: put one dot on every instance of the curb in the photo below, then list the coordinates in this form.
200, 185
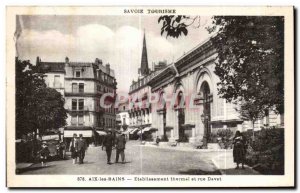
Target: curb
186, 150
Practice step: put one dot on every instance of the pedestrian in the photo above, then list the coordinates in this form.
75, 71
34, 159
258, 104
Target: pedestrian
81, 148
44, 153
108, 143
120, 148
73, 148
239, 149
157, 140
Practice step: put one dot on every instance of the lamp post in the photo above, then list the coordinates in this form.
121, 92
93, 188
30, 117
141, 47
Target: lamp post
139, 120
204, 119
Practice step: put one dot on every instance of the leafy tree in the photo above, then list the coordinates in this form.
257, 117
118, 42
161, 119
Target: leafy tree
250, 59
37, 106
250, 56
175, 25
249, 110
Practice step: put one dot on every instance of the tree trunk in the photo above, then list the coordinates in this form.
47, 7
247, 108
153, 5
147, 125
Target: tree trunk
253, 136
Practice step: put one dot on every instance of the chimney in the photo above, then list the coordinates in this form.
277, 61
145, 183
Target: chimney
98, 62
38, 60
67, 60
107, 68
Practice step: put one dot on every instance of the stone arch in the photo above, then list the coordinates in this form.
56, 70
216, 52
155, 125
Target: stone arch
204, 75
179, 90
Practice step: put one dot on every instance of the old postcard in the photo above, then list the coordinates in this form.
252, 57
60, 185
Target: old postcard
162, 96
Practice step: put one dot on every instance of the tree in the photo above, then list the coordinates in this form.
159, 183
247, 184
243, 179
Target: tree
249, 110
174, 26
250, 52
250, 59
37, 107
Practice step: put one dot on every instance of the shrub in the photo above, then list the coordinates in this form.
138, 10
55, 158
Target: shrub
225, 138
266, 151
164, 138
213, 137
183, 139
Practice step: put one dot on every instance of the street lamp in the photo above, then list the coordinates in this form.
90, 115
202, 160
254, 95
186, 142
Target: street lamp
139, 120
204, 119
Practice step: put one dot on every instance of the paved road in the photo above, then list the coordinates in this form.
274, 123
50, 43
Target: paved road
140, 160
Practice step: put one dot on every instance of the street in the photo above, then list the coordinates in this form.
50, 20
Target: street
140, 160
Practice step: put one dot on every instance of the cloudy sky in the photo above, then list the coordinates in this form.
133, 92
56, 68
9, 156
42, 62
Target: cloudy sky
114, 39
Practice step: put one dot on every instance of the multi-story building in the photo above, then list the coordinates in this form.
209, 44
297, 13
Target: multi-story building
191, 80
139, 108
83, 84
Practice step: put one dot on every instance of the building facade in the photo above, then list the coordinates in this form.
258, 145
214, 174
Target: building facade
139, 108
197, 110
123, 116
83, 84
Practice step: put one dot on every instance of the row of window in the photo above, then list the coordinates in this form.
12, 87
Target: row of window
78, 120
77, 104
78, 88
101, 88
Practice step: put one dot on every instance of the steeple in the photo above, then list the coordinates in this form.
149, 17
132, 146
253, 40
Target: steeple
144, 62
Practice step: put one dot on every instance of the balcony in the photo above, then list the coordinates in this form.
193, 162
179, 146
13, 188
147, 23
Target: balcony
85, 108
83, 94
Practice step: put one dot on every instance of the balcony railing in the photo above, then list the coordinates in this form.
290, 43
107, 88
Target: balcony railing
85, 108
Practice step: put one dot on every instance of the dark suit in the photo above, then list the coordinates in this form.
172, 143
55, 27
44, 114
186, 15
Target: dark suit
81, 147
72, 148
120, 146
108, 143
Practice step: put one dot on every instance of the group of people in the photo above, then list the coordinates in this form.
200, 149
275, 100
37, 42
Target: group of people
78, 147
119, 143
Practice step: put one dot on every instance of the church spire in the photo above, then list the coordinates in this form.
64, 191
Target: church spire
144, 62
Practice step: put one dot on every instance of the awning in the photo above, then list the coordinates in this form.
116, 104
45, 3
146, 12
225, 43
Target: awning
153, 129
50, 137
144, 130
128, 130
188, 126
134, 130
101, 132
78, 128
85, 133
168, 128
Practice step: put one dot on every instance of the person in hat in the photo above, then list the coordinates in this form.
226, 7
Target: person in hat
108, 143
73, 149
81, 148
120, 147
44, 153
239, 149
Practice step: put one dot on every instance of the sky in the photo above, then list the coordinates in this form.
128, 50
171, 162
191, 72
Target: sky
116, 40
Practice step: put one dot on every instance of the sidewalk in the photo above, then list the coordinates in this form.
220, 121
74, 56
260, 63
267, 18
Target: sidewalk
225, 164
221, 158
180, 148
23, 166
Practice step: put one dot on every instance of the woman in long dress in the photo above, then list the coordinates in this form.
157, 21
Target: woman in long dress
239, 150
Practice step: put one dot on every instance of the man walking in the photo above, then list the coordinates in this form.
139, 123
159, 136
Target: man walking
108, 143
120, 146
81, 147
73, 148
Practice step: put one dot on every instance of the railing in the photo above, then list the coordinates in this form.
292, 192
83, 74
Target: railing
85, 108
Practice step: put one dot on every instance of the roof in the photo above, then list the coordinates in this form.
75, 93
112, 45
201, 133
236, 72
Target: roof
52, 66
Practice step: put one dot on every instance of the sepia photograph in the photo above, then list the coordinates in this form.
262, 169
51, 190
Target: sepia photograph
132, 96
